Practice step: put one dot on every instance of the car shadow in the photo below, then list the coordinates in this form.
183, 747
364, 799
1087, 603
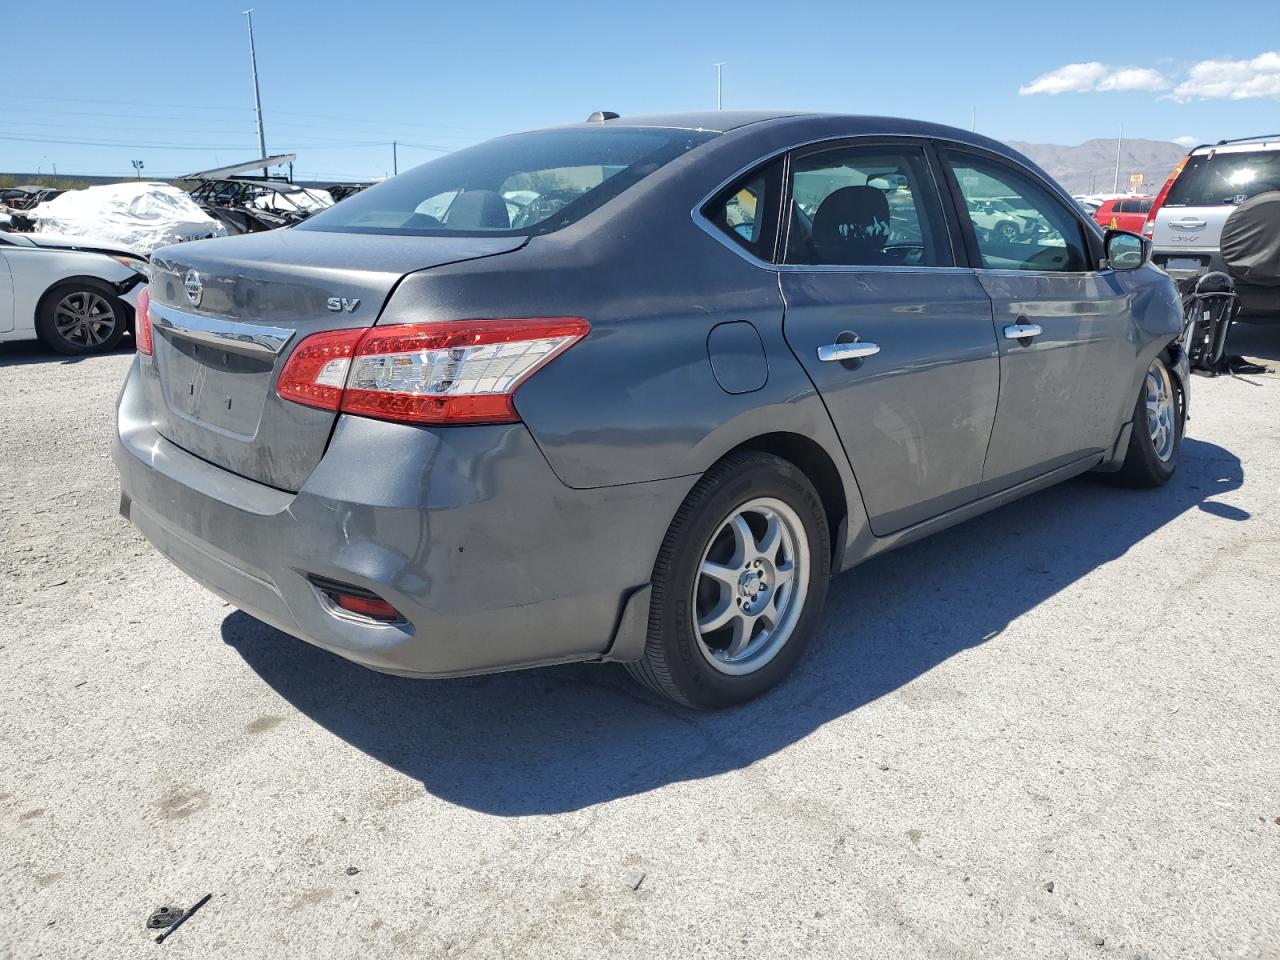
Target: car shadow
1256, 340
564, 738
21, 353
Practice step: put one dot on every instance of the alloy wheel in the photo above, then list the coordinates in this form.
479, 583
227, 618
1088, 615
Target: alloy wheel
84, 319
1161, 411
751, 585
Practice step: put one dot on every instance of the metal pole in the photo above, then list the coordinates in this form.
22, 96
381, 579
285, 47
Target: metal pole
395, 163
973, 118
257, 96
1115, 188
718, 100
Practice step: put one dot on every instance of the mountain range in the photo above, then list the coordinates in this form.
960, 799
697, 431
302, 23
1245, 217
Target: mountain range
1090, 167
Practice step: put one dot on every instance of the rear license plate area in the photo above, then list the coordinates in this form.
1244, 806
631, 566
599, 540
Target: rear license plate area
213, 387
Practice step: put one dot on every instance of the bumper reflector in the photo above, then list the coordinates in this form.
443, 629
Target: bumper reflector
357, 600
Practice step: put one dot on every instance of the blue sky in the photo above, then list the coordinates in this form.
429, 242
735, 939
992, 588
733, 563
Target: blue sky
168, 83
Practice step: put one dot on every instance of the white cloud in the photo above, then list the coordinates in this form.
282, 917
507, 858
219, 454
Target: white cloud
1095, 77
1073, 78
1186, 140
1232, 79
1133, 78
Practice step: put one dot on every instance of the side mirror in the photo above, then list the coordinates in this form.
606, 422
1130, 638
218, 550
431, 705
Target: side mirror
1126, 251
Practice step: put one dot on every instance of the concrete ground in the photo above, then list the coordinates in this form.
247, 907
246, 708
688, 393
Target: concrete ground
1050, 732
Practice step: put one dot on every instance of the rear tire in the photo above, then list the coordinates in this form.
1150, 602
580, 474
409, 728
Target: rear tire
1156, 437
81, 317
739, 584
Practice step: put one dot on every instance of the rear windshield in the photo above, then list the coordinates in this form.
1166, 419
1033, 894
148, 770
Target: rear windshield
1207, 180
524, 184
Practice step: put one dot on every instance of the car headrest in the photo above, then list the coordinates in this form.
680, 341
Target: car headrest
478, 210
851, 226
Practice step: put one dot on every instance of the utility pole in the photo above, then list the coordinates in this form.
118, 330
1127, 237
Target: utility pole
1115, 188
395, 164
257, 96
718, 100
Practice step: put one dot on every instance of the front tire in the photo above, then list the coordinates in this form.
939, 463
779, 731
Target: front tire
81, 317
1156, 438
739, 584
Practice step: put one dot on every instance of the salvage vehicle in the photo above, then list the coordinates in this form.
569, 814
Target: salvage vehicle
1215, 215
75, 296
649, 423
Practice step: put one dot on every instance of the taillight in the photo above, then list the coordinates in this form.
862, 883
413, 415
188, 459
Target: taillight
142, 323
462, 371
1149, 227
317, 369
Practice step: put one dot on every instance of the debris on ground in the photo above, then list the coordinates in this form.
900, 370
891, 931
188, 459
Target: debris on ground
183, 917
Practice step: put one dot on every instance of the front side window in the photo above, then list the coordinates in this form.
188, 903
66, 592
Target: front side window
1018, 223
865, 206
524, 184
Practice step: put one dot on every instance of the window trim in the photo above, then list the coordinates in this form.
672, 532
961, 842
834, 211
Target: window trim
1092, 237
942, 174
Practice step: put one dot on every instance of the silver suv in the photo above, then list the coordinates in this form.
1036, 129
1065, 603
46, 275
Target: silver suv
1214, 180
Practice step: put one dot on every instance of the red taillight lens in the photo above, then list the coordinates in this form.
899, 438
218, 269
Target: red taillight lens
1149, 227
374, 608
317, 369
455, 372
142, 323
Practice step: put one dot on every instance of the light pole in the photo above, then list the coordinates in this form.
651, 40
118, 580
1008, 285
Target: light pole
257, 96
1115, 187
718, 100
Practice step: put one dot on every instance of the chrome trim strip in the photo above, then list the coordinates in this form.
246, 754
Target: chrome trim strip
251, 338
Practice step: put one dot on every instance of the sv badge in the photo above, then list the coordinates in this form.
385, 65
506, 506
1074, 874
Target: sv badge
342, 304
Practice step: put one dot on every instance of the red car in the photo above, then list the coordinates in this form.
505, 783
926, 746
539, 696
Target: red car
1124, 213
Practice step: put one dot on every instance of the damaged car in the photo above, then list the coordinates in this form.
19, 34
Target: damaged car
74, 296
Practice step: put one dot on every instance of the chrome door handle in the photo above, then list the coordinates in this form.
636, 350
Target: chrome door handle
1189, 223
854, 350
1022, 331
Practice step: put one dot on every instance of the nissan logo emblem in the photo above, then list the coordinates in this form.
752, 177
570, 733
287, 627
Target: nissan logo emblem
194, 287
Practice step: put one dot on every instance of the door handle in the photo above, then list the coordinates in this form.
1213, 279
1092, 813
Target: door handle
1022, 331
1189, 223
854, 350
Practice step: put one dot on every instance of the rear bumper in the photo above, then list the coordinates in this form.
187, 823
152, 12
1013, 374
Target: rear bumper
493, 562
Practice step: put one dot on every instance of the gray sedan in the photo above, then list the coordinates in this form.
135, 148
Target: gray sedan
633, 390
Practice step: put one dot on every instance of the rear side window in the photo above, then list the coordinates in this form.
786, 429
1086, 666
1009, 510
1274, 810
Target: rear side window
747, 211
865, 206
1215, 178
1019, 224
524, 184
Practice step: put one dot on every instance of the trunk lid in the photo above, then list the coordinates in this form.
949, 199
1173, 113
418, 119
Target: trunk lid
226, 314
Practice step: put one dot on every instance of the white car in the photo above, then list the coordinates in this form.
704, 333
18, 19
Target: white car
74, 295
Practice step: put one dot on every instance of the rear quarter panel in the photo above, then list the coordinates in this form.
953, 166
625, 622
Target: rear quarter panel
637, 399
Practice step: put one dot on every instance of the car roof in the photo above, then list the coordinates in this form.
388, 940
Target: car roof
1250, 147
723, 121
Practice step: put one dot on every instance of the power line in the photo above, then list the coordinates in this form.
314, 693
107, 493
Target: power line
222, 146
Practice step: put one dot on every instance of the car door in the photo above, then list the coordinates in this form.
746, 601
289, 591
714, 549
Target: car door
1061, 323
896, 337
6, 294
